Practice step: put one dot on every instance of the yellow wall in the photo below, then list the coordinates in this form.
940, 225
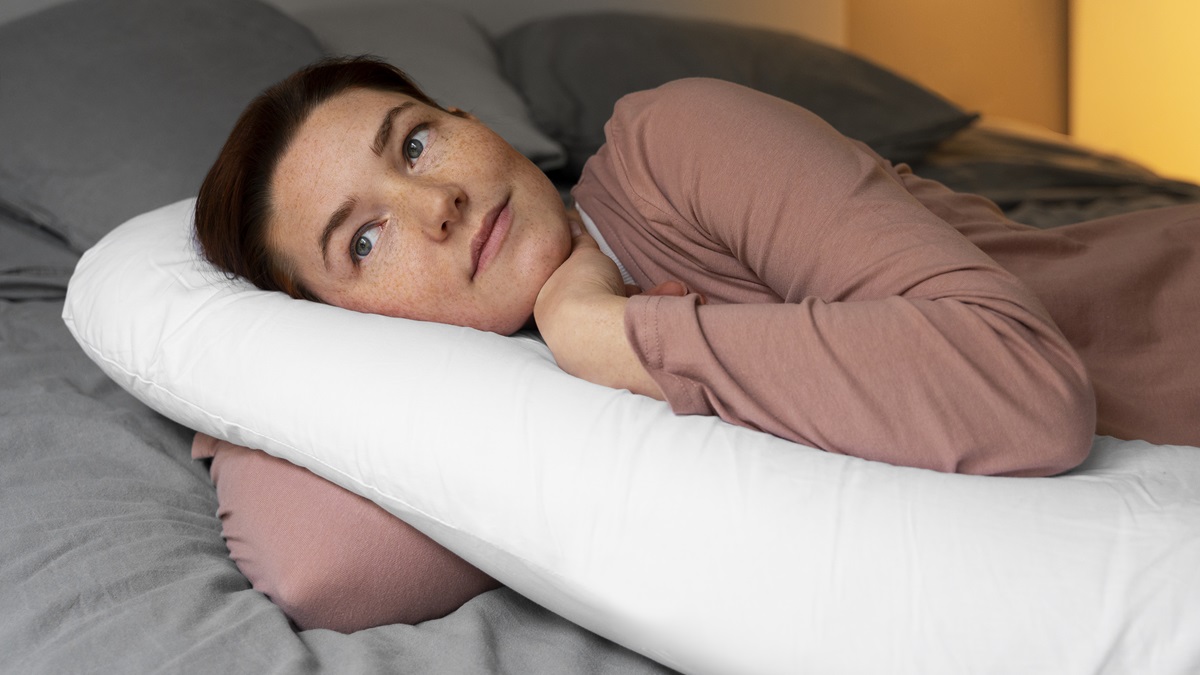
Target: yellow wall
1135, 81
999, 57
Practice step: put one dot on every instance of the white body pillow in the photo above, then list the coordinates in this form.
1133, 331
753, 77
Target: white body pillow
711, 548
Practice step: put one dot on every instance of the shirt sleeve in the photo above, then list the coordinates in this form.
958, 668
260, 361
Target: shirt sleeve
890, 336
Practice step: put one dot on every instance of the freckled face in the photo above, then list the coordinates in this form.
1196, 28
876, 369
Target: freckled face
383, 204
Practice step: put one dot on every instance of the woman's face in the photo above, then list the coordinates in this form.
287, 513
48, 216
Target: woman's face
383, 204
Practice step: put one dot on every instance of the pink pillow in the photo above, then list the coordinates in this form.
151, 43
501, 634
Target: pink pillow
326, 556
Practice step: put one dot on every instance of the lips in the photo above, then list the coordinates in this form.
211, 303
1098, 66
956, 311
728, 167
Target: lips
487, 241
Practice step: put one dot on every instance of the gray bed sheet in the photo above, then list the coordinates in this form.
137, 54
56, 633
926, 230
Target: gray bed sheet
34, 264
111, 557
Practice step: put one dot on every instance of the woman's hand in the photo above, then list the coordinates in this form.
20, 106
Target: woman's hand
580, 312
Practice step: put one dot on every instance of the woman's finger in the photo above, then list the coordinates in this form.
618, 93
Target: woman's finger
676, 288
669, 288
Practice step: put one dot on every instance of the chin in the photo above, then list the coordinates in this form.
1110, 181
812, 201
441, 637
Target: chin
509, 322
513, 328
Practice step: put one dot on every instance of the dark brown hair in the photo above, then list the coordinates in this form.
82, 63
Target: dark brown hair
235, 204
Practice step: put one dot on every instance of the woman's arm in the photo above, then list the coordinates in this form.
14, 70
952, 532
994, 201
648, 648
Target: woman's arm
896, 339
580, 313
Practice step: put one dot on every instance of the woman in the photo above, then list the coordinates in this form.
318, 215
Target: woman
801, 284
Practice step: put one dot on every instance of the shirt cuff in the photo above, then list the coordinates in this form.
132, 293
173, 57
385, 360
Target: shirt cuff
665, 335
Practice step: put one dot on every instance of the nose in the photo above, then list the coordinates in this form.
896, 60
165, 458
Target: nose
438, 208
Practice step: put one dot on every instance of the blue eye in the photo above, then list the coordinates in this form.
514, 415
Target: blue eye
364, 241
414, 145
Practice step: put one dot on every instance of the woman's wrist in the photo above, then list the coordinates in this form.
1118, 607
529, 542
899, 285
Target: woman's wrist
580, 312
586, 334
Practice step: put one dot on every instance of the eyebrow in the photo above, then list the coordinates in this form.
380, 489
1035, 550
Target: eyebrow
382, 137
385, 128
335, 221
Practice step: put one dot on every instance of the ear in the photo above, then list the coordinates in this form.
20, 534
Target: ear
459, 112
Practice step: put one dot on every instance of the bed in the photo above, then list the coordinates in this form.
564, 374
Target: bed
111, 558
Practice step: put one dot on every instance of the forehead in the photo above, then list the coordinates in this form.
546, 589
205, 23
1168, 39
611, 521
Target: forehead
350, 109
345, 123
329, 154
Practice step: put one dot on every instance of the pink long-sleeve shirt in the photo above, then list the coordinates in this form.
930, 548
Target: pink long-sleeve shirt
853, 306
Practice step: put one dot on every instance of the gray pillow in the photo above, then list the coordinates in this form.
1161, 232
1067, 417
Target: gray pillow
114, 107
572, 69
450, 57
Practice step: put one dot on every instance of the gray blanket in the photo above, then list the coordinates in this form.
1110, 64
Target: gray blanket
111, 557
34, 264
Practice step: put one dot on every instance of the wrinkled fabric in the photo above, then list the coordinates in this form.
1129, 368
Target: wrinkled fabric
919, 326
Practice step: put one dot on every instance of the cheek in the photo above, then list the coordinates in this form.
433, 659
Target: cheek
556, 249
541, 254
427, 291
391, 289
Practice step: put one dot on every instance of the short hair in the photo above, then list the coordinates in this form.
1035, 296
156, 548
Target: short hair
235, 201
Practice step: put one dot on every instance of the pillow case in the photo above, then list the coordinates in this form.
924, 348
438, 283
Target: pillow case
572, 69
328, 557
708, 547
449, 56
114, 107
